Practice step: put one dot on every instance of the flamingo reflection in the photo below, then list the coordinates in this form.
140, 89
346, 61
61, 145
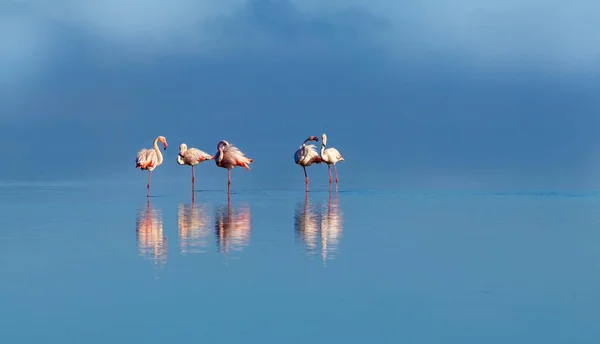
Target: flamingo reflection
306, 223
317, 222
331, 227
232, 227
149, 231
193, 227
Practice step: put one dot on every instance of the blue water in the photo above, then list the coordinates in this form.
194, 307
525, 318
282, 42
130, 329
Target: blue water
101, 264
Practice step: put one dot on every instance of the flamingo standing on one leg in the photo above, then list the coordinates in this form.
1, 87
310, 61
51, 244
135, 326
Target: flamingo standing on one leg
149, 159
331, 156
306, 155
229, 156
192, 157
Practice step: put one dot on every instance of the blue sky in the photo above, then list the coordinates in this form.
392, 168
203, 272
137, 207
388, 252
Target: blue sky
503, 92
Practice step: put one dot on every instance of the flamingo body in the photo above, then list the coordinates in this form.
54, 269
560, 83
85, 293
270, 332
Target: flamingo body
331, 156
307, 155
146, 160
229, 156
191, 157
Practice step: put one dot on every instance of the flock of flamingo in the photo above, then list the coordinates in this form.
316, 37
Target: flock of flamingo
229, 156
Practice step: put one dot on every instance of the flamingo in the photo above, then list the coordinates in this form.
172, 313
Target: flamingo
306, 155
149, 159
191, 157
331, 156
229, 156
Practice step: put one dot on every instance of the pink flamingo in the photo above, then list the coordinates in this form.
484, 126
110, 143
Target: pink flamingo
191, 157
149, 159
306, 155
229, 156
331, 156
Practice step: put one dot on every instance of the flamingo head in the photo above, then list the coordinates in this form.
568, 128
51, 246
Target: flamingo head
311, 138
324, 139
222, 144
182, 148
163, 140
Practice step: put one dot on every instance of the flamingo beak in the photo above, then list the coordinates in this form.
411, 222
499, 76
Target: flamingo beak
166, 145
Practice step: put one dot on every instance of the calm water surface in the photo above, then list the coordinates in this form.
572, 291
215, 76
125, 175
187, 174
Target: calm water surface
102, 264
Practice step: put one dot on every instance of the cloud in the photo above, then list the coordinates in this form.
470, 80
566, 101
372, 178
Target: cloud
36, 35
553, 34
482, 34
142, 25
461, 97
282, 28
25, 43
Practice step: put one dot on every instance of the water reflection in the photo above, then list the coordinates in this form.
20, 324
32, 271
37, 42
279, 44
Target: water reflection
319, 226
232, 227
193, 223
151, 242
306, 223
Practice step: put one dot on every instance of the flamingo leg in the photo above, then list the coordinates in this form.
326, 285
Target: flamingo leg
193, 194
228, 180
305, 177
329, 170
336, 178
148, 186
193, 175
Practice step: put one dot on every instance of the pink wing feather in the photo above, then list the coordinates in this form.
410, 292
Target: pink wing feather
145, 158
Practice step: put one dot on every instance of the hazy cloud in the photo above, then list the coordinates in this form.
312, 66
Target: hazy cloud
419, 89
483, 32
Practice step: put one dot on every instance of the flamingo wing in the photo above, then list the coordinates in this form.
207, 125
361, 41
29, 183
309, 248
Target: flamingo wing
314, 160
235, 157
299, 155
336, 154
145, 158
311, 155
196, 155
332, 155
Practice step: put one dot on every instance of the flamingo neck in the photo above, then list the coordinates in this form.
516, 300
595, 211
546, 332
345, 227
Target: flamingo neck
220, 155
158, 153
322, 149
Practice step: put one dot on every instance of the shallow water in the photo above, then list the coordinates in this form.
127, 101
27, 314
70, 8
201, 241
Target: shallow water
103, 264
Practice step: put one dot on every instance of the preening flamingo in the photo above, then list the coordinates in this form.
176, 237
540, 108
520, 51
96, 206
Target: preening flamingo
331, 156
149, 159
306, 155
229, 156
191, 157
